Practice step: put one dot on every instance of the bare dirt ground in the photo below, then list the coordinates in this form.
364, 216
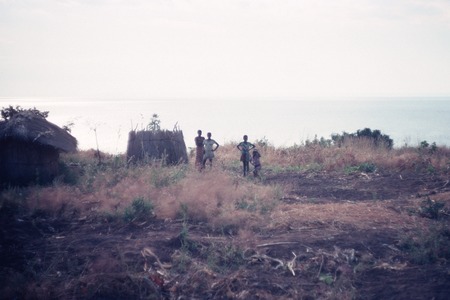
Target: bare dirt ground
334, 236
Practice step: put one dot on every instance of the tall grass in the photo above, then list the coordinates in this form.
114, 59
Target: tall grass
219, 196
229, 204
354, 152
215, 196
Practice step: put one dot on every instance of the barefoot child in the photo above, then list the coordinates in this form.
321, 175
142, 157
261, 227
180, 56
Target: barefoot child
256, 163
210, 146
245, 148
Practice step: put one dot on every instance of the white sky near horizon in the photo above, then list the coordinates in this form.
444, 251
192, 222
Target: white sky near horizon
224, 49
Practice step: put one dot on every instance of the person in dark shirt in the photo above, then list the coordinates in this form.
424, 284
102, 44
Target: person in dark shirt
245, 148
199, 150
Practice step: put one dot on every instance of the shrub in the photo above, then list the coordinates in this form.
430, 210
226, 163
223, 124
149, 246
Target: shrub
139, 210
367, 167
364, 167
376, 137
425, 247
69, 174
431, 209
222, 258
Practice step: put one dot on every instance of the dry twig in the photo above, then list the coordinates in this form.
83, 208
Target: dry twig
146, 252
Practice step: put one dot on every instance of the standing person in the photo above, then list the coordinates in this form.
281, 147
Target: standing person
199, 150
245, 148
256, 163
209, 144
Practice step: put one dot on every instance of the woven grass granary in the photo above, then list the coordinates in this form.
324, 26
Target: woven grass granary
165, 145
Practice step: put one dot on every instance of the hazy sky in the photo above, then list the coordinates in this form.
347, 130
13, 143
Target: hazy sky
224, 48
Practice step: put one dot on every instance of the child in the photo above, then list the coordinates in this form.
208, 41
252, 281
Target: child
199, 150
210, 146
256, 162
245, 148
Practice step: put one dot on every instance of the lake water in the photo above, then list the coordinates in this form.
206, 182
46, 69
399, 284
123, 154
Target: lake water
282, 122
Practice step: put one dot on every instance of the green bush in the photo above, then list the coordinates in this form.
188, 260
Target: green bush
139, 210
426, 247
222, 258
375, 136
70, 175
364, 167
255, 204
431, 209
367, 167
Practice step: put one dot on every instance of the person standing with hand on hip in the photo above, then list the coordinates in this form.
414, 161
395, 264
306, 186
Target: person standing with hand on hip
210, 146
245, 148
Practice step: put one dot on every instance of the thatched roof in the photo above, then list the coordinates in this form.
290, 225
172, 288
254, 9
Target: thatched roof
29, 127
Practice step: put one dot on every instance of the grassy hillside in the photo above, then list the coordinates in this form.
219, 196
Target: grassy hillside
320, 222
86, 187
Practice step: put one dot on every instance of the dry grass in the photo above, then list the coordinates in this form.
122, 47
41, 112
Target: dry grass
243, 214
215, 196
220, 196
361, 215
352, 153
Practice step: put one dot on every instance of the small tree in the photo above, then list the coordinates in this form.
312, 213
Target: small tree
155, 123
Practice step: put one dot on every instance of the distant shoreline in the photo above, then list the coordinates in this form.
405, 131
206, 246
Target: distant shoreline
283, 123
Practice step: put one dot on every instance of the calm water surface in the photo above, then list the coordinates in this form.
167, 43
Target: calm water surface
281, 122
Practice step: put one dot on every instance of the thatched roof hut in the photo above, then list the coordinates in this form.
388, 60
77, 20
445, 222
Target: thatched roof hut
30, 148
164, 145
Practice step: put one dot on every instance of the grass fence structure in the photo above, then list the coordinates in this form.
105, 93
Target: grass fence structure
165, 145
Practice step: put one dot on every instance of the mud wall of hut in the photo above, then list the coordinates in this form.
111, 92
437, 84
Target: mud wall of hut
165, 145
22, 163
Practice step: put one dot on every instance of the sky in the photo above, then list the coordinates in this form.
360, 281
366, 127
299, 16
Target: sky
219, 49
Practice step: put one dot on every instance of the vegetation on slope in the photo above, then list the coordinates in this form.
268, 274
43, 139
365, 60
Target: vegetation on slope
147, 230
